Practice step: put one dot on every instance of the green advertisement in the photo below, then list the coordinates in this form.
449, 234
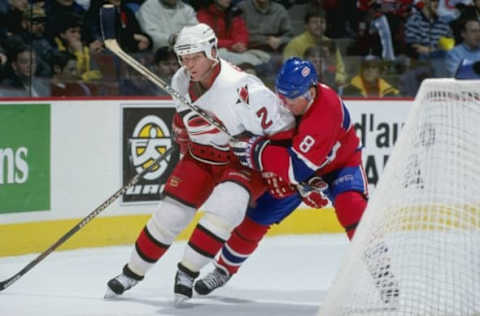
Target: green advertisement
24, 157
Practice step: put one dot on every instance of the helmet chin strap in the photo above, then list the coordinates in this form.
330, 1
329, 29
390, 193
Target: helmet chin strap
309, 97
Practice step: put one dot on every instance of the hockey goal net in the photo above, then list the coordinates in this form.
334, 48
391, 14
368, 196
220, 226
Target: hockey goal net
417, 248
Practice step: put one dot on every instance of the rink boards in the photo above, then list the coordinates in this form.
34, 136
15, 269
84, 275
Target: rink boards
63, 158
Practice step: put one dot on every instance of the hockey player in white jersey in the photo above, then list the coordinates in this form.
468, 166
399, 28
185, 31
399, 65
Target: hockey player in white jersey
208, 173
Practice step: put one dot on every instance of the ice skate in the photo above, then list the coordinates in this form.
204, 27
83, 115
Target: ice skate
183, 284
122, 282
212, 281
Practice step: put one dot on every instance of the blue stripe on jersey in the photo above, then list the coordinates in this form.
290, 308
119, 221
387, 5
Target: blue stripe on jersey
346, 117
300, 170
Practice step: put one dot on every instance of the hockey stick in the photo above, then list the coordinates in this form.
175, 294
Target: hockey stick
107, 24
84, 221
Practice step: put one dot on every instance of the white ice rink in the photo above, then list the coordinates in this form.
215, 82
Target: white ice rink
288, 275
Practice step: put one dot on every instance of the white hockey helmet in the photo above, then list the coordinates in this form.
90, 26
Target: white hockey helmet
194, 39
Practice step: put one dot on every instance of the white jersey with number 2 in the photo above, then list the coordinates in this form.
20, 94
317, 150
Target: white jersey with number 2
240, 101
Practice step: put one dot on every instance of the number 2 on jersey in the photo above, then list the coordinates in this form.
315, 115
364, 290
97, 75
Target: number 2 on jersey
262, 114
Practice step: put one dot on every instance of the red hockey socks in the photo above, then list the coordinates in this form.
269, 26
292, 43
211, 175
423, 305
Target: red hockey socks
243, 241
148, 248
205, 242
349, 207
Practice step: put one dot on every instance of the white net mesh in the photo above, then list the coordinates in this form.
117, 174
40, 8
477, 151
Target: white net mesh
417, 248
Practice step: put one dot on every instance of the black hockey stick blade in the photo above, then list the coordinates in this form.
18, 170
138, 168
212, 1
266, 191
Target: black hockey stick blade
6, 283
107, 21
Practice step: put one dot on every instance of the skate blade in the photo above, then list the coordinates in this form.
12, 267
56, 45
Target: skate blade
179, 300
109, 294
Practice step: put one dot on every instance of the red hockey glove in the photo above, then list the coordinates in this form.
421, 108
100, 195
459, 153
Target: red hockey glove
180, 134
313, 194
248, 150
278, 187
315, 199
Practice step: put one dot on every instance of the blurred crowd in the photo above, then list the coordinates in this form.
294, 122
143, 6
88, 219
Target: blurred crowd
361, 48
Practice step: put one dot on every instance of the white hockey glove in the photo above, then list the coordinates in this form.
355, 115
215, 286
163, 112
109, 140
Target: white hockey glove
248, 150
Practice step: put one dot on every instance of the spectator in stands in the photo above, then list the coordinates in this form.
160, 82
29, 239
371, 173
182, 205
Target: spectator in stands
368, 83
315, 25
161, 19
33, 34
384, 19
129, 34
11, 17
249, 68
471, 11
231, 30
380, 28
3, 62
314, 32
197, 4
325, 71
65, 80
165, 63
427, 35
412, 77
269, 29
469, 48
268, 25
467, 12
58, 11
339, 16
69, 38
21, 80
227, 23
132, 83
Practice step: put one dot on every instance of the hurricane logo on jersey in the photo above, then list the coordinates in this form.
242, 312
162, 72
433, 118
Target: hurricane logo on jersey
197, 125
243, 94
151, 138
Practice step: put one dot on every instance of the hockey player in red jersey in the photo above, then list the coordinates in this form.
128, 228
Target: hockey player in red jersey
208, 173
323, 160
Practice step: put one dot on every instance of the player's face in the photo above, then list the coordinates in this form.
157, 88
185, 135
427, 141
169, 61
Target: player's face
297, 106
198, 65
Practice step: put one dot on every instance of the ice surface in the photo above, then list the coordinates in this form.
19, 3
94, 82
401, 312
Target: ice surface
288, 275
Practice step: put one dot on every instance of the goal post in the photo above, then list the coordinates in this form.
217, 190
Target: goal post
417, 248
